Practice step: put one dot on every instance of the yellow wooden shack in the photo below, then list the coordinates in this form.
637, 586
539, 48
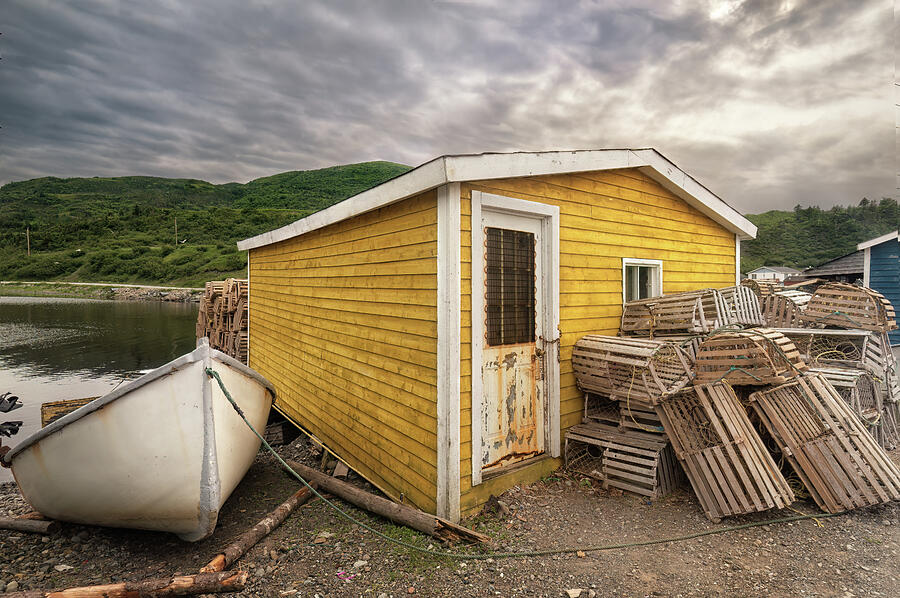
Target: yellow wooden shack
423, 329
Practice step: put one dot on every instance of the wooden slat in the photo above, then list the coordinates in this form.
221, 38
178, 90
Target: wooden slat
838, 460
725, 460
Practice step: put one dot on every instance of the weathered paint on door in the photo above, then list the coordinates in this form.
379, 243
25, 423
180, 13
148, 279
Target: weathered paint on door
512, 412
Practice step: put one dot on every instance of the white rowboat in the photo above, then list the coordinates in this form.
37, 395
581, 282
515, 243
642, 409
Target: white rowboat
161, 453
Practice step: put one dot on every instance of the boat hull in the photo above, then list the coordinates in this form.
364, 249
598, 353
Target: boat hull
163, 454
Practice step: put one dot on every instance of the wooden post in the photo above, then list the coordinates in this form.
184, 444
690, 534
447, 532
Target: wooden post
176, 231
31, 526
402, 514
201, 583
248, 539
28, 238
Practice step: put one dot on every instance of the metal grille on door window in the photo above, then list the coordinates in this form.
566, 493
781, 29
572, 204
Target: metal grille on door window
509, 259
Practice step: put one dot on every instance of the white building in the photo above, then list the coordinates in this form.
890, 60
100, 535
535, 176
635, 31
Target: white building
778, 273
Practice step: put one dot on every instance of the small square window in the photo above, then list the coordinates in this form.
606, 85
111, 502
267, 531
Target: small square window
641, 279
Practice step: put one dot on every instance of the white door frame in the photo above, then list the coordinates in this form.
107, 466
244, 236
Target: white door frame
549, 287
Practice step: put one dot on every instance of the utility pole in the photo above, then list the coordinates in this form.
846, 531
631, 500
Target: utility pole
176, 231
28, 238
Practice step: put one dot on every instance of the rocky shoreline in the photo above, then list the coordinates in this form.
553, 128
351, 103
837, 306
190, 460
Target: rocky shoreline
101, 291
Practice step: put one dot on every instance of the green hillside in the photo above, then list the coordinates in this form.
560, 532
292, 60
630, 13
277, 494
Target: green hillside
809, 236
122, 229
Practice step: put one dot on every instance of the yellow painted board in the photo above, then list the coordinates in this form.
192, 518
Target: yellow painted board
604, 217
344, 322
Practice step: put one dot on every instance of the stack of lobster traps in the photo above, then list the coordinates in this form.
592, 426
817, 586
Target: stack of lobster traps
757, 395
223, 317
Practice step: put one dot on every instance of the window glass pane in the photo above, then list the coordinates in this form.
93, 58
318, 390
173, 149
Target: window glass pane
509, 300
640, 282
646, 281
631, 286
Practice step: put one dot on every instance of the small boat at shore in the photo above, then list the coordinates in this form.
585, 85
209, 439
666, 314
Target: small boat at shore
163, 452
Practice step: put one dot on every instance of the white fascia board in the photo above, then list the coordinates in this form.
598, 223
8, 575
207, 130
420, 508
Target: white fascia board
427, 176
684, 186
520, 164
878, 240
649, 161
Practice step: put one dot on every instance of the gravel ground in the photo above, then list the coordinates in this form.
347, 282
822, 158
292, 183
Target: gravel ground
317, 552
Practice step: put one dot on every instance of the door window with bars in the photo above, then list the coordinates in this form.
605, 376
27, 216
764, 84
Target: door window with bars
510, 300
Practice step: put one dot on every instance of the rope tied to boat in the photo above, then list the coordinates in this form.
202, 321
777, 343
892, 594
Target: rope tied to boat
495, 555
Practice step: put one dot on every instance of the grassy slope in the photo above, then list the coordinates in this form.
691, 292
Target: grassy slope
122, 229
809, 236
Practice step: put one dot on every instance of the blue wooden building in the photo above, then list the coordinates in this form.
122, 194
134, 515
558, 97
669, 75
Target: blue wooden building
881, 270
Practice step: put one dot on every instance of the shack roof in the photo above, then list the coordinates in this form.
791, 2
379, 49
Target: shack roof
852, 263
477, 167
781, 269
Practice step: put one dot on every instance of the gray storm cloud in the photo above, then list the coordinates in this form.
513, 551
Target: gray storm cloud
769, 104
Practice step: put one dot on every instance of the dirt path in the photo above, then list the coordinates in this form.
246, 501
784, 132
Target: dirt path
317, 552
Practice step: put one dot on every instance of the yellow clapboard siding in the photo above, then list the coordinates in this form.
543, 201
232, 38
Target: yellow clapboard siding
384, 255
365, 358
343, 320
371, 307
420, 212
604, 217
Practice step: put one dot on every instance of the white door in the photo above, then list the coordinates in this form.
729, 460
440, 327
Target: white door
512, 367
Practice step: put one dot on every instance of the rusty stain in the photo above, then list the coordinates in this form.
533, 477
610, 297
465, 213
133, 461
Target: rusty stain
511, 458
512, 405
511, 412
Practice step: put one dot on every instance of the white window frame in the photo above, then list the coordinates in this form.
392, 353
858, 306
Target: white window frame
657, 281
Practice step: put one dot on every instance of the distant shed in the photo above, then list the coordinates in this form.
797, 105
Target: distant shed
881, 270
846, 268
362, 314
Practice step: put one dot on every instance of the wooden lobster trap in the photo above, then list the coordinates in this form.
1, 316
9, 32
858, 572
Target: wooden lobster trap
222, 317
626, 459
783, 309
757, 356
726, 462
838, 461
743, 304
849, 306
694, 312
632, 369
863, 395
854, 349
763, 288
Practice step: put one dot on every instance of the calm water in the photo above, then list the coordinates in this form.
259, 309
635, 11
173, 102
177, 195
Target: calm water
53, 349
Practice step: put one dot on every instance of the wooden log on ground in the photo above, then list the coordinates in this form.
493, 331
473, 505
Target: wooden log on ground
33, 515
182, 585
31, 526
402, 514
248, 539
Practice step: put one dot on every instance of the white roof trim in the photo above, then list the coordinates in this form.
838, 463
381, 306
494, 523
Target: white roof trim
448, 169
878, 240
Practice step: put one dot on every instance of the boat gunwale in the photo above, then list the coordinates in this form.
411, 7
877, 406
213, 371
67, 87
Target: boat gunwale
202, 352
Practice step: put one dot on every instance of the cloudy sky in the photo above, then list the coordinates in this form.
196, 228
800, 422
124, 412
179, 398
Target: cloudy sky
768, 103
